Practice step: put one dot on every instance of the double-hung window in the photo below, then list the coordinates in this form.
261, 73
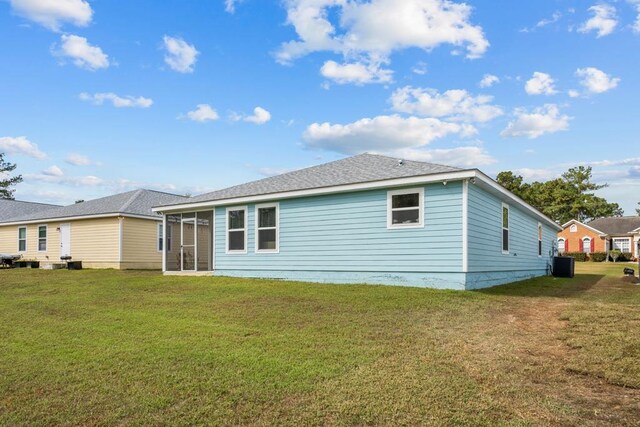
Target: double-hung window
42, 238
405, 208
267, 224
160, 237
237, 230
539, 239
623, 244
505, 228
561, 245
22, 239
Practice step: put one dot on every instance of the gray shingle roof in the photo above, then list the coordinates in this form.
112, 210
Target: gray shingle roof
616, 225
352, 170
136, 202
13, 208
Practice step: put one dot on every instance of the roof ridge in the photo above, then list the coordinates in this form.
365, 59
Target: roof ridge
134, 196
410, 160
32, 203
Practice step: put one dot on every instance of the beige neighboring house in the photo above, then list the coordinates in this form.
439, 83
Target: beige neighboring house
118, 231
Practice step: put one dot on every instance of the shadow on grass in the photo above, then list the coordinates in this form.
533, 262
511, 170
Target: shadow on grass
547, 286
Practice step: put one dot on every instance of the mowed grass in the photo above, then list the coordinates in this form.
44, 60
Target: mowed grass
107, 347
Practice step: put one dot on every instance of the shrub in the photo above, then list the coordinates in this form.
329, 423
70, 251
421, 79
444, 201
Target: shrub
598, 256
625, 256
614, 255
579, 256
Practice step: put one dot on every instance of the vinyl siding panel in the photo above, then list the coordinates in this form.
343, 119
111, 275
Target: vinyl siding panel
348, 233
485, 237
140, 244
9, 242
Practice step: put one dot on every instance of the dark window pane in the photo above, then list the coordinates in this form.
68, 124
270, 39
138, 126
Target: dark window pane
267, 239
266, 217
411, 216
405, 200
236, 240
22, 245
539, 247
505, 240
42, 245
22, 233
236, 219
42, 232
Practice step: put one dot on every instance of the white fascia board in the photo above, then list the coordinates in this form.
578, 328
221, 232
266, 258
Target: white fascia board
73, 218
397, 182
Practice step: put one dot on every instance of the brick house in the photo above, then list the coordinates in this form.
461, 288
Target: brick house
601, 235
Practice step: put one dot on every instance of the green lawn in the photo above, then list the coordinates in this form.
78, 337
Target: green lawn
106, 347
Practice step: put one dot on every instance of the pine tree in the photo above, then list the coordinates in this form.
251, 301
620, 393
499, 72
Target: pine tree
6, 181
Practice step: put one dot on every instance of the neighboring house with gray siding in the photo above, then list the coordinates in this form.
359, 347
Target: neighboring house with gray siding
363, 219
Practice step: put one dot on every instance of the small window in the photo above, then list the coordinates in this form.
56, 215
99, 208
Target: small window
267, 228
237, 230
586, 245
539, 239
22, 239
573, 228
505, 228
405, 208
561, 246
42, 238
160, 237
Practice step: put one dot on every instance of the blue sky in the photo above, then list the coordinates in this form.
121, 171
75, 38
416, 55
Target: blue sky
189, 96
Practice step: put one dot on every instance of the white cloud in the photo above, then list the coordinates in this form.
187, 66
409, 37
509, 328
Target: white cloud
544, 22
75, 181
230, 5
453, 104
530, 174
541, 120
180, 55
260, 116
82, 54
381, 134
203, 113
117, 101
636, 24
78, 159
420, 68
573, 93
53, 13
460, 156
53, 171
368, 32
489, 80
604, 20
357, 72
595, 80
21, 146
540, 84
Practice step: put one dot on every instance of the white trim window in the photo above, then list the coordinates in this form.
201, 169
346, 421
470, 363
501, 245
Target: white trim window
42, 238
505, 228
561, 245
573, 228
22, 239
268, 228
237, 230
160, 237
539, 239
586, 245
405, 208
623, 244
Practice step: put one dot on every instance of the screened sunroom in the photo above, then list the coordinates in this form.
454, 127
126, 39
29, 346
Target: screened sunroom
188, 242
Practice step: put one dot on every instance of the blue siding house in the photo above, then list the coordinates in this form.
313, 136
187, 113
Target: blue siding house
364, 219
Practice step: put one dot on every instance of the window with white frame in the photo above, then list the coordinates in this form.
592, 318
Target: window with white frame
22, 239
237, 230
539, 239
586, 245
623, 244
42, 238
160, 237
505, 228
561, 246
405, 208
267, 224
573, 228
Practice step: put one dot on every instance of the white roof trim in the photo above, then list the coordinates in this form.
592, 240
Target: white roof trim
575, 221
73, 218
396, 182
